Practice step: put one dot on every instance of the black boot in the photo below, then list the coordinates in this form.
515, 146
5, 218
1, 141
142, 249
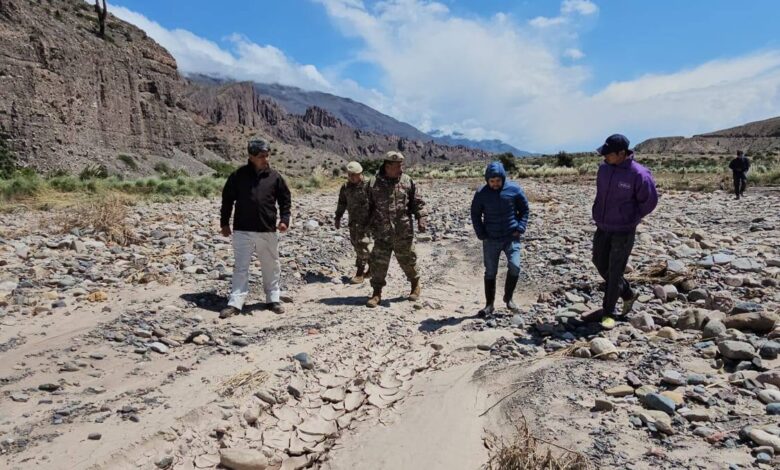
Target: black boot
490, 297
509, 290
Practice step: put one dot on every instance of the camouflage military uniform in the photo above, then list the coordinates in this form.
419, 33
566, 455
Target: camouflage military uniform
392, 203
353, 198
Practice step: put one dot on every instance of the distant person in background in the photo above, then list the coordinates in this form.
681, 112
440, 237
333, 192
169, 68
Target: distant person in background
256, 190
353, 198
739, 168
499, 215
625, 194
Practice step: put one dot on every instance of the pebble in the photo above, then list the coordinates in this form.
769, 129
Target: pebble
304, 359
655, 401
95, 436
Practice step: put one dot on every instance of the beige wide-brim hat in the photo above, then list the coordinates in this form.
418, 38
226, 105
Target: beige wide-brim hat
354, 168
393, 156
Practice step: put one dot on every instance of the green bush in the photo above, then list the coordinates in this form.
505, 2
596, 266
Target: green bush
221, 169
65, 184
91, 172
564, 160
166, 172
129, 161
509, 161
8, 164
371, 167
20, 185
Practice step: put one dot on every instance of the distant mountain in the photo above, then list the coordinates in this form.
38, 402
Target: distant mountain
296, 101
488, 145
758, 136
358, 115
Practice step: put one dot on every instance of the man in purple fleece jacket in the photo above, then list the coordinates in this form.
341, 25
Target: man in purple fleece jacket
625, 193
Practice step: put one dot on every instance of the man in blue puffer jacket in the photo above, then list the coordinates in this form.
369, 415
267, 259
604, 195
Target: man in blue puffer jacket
499, 214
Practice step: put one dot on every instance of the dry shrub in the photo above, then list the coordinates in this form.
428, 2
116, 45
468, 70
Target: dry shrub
106, 213
524, 451
536, 196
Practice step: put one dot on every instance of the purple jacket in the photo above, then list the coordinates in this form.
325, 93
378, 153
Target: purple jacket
625, 193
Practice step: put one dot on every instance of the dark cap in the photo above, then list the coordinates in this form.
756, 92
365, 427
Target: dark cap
614, 143
257, 146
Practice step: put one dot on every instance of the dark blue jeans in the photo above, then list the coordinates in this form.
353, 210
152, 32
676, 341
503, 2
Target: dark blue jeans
491, 252
610, 255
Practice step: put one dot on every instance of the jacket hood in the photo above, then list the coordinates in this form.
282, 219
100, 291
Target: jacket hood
495, 170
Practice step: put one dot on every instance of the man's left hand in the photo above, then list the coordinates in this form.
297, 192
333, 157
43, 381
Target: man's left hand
422, 227
282, 227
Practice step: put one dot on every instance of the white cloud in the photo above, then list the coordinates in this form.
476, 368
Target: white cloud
583, 7
494, 77
545, 22
573, 53
244, 60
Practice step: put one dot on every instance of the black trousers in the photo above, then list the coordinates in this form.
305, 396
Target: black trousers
740, 183
610, 255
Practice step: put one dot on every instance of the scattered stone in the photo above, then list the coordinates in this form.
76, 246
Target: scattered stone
304, 359
763, 438
603, 405
242, 459
620, 391
770, 350
164, 462
655, 401
95, 436
672, 377
602, 348
20, 397
668, 333
159, 348
736, 350
757, 322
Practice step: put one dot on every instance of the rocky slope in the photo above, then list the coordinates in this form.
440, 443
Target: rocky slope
71, 99
759, 136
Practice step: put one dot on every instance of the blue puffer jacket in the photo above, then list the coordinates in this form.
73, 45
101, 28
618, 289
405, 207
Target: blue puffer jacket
498, 214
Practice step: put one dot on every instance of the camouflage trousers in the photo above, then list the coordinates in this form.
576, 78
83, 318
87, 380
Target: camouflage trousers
360, 239
380, 259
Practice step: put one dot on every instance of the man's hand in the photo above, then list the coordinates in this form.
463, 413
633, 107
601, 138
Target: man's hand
421, 225
282, 227
337, 223
226, 231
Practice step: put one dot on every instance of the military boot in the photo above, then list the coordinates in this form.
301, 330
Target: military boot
414, 295
359, 276
375, 299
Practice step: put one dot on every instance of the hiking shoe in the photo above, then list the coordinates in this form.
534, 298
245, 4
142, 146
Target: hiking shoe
374, 301
607, 323
414, 295
229, 311
594, 316
628, 304
359, 276
488, 310
276, 307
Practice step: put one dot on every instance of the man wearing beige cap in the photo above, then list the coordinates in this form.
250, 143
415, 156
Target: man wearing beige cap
353, 198
393, 202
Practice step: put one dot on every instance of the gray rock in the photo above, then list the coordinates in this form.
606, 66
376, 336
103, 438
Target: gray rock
770, 350
159, 348
698, 294
20, 397
746, 264
770, 377
305, 361
769, 396
643, 322
672, 377
266, 397
242, 459
660, 293
95, 436
603, 349
773, 409
655, 401
164, 462
713, 329
603, 405
675, 266
737, 350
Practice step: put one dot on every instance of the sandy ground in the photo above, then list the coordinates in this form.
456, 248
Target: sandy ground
150, 407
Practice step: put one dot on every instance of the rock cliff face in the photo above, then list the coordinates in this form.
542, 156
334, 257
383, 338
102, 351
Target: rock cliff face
759, 136
71, 99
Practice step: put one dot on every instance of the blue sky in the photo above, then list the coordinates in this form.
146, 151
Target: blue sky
542, 75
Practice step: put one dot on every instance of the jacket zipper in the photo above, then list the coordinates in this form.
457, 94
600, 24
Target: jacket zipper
604, 201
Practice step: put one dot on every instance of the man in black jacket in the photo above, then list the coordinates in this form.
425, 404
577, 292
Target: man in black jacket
256, 190
739, 167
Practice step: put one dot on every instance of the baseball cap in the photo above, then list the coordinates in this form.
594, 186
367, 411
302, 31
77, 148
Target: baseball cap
614, 143
257, 146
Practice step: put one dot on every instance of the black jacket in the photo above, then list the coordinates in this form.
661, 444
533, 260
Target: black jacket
740, 165
256, 195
